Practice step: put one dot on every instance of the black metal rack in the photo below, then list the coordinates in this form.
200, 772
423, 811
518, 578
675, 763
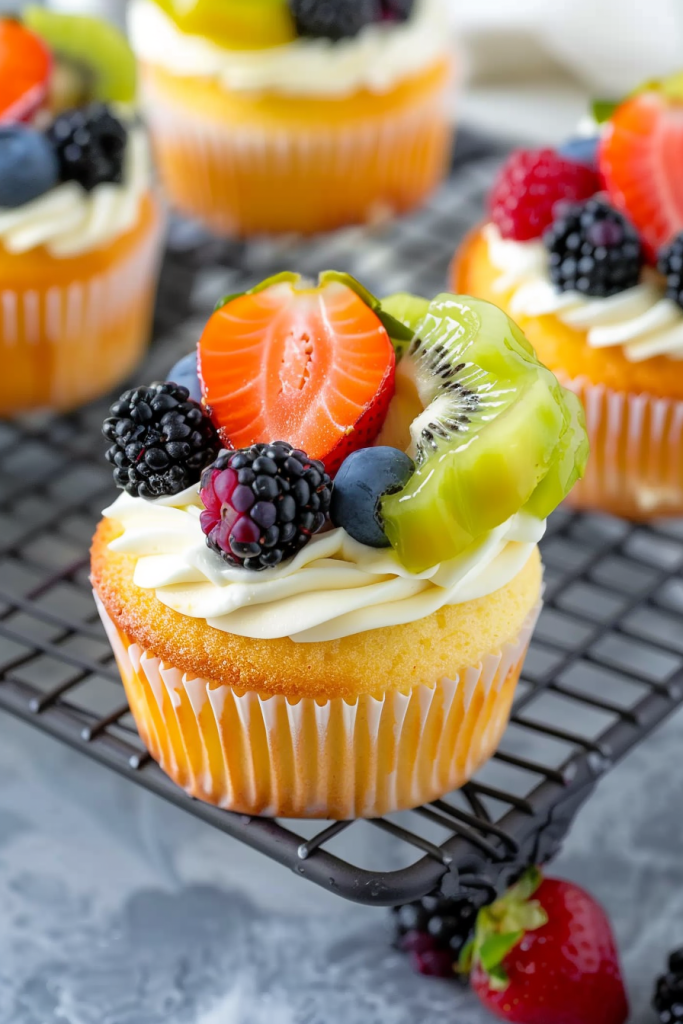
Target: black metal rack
605, 666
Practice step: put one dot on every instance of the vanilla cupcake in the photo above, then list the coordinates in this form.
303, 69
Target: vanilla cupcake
584, 283
297, 645
80, 227
296, 116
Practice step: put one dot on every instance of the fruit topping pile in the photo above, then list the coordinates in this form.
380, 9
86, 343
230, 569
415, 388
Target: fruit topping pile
263, 504
160, 440
58, 75
624, 194
421, 425
258, 24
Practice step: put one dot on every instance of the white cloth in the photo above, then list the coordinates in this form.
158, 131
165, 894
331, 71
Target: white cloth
608, 45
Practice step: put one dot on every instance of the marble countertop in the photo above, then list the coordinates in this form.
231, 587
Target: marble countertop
116, 908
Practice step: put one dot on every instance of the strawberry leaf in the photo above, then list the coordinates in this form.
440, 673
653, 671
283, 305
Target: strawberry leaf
602, 110
286, 275
498, 979
466, 958
495, 948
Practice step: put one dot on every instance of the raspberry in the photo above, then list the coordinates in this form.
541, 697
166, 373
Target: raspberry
670, 264
529, 185
594, 250
263, 504
161, 440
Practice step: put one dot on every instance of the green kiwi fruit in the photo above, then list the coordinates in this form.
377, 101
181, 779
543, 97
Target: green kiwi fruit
97, 49
496, 434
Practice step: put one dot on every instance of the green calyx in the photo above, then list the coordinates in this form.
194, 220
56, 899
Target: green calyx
671, 88
502, 926
399, 334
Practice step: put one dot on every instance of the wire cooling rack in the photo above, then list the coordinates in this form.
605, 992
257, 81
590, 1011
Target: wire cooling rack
604, 668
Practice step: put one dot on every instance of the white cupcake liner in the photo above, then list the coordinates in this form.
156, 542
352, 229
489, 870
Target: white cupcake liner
237, 168
65, 325
636, 461
332, 759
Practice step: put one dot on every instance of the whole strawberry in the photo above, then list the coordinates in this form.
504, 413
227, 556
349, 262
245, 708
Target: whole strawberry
547, 960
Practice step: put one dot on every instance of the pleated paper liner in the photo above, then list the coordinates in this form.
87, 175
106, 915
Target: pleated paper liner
253, 175
79, 325
334, 759
636, 462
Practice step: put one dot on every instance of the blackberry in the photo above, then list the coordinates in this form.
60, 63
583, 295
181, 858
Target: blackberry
90, 145
434, 930
670, 264
334, 19
397, 10
161, 440
593, 249
668, 998
263, 504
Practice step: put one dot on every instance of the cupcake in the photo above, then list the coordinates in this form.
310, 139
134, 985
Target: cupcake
322, 579
80, 229
295, 115
584, 249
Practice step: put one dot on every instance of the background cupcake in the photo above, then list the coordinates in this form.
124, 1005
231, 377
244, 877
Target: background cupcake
80, 229
301, 646
584, 250
271, 115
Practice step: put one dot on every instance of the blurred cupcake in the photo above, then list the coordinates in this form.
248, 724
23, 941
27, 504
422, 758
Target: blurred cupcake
80, 228
293, 645
295, 115
584, 249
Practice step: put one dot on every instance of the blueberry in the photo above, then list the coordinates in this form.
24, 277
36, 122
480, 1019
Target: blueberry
363, 479
185, 373
581, 151
28, 165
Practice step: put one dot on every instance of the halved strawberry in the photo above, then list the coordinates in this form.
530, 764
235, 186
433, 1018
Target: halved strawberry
25, 66
310, 365
641, 155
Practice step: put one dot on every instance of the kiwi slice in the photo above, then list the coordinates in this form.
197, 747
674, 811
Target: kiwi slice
496, 434
235, 24
95, 48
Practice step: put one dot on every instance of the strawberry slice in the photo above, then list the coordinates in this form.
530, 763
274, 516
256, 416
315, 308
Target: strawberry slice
641, 155
313, 366
25, 66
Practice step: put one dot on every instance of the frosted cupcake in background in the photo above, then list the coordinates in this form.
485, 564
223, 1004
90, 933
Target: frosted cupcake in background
80, 228
584, 248
295, 115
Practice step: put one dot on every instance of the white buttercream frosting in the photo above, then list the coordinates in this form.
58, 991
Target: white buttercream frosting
641, 320
377, 59
334, 587
69, 221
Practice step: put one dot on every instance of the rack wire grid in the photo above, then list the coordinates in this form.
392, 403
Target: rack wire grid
604, 668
